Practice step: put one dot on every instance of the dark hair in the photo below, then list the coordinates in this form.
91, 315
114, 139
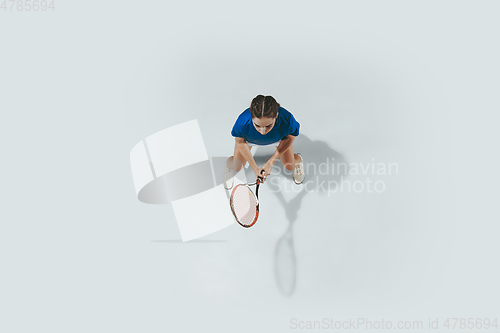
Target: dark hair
264, 107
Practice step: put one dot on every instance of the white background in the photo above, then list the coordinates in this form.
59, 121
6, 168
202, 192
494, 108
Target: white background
414, 83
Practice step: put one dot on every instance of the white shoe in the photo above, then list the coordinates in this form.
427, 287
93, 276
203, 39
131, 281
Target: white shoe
298, 172
228, 179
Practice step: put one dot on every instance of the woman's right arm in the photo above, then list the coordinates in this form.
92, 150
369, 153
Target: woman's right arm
245, 151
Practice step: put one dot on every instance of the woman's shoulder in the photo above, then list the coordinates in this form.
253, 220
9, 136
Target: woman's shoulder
285, 115
245, 117
282, 109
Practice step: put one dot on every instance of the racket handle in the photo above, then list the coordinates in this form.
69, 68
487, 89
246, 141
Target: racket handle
260, 179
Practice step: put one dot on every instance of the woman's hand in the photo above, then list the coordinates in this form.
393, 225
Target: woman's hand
267, 168
258, 174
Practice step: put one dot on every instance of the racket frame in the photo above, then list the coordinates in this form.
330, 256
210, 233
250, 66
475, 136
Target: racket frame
256, 194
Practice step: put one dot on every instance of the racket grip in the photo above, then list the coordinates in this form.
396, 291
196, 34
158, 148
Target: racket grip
260, 179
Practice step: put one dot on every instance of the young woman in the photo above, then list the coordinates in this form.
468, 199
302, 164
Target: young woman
264, 123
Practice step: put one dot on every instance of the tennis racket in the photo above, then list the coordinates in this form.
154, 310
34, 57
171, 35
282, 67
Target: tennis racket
245, 204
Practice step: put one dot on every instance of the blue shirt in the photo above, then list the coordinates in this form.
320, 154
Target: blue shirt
285, 125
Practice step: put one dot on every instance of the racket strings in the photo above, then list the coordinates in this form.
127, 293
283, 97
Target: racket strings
244, 205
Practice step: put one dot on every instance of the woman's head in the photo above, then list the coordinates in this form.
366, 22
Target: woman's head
264, 110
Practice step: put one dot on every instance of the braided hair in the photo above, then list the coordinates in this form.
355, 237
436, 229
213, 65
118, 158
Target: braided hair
264, 107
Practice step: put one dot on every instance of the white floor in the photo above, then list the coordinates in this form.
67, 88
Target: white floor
373, 82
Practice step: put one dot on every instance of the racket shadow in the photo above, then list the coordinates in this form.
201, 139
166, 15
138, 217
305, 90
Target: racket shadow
285, 259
